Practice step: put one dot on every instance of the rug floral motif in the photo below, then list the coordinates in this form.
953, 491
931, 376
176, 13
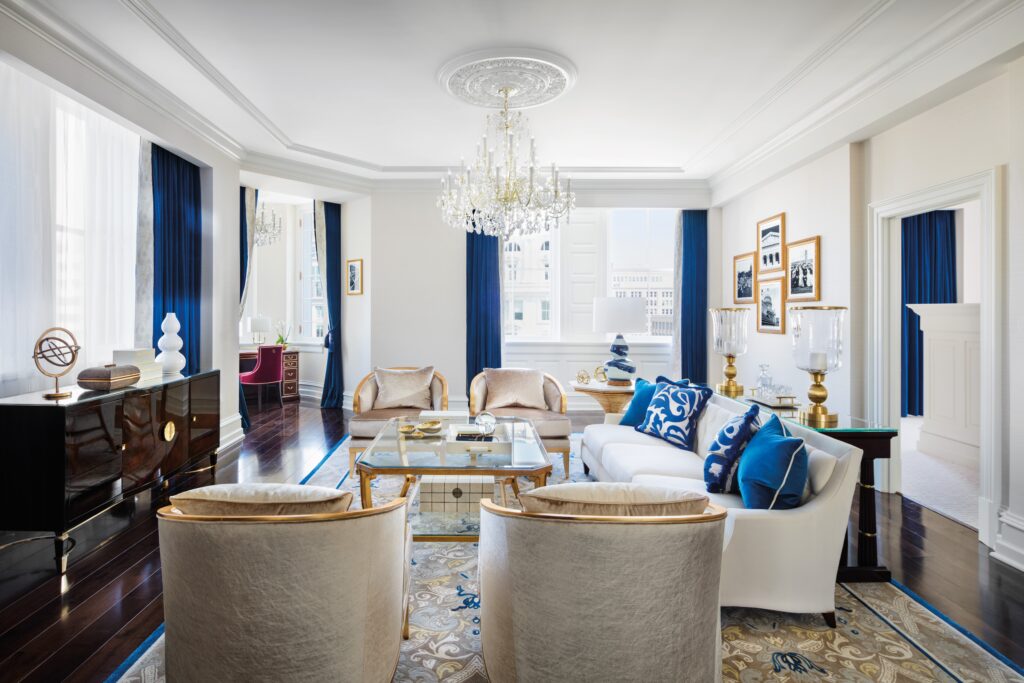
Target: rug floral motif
883, 633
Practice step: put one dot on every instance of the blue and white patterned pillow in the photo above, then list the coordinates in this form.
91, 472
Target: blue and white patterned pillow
723, 457
673, 413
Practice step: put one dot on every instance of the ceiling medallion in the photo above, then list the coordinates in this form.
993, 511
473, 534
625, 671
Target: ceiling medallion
504, 191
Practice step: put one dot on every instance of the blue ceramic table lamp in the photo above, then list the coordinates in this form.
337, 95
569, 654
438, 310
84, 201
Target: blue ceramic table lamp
616, 315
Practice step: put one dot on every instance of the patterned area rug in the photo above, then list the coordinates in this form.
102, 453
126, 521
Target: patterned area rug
884, 633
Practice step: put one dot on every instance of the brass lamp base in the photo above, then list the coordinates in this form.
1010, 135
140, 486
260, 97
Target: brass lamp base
817, 414
729, 387
57, 397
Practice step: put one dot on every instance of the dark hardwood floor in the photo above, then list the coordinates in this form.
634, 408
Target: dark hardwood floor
113, 600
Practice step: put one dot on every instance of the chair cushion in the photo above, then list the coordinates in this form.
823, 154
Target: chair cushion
368, 423
598, 436
245, 500
674, 413
724, 453
773, 470
726, 500
403, 388
548, 424
612, 499
514, 387
623, 462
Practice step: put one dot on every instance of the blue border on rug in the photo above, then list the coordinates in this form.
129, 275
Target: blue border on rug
960, 629
135, 655
320, 464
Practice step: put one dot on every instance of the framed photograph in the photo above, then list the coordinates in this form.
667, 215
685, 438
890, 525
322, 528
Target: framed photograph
804, 280
771, 236
771, 305
743, 278
354, 277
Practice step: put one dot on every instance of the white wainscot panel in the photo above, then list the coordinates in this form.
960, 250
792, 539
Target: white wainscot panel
564, 359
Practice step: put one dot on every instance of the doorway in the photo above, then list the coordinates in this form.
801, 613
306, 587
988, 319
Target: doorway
939, 427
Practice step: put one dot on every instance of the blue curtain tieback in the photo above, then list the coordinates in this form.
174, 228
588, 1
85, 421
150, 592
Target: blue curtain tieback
329, 340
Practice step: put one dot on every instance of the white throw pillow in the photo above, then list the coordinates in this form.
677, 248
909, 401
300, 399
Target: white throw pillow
403, 388
613, 499
246, 500
515, 387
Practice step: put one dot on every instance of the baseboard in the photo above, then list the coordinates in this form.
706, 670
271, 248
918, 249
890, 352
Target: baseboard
1010, 540
950, 450
231, 432
311, 391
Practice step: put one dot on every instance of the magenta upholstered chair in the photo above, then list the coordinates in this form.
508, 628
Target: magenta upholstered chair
269, 370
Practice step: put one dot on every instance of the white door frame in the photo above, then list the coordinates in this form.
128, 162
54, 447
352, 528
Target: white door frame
883, 343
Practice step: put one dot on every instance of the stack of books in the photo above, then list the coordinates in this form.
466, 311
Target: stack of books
143, 359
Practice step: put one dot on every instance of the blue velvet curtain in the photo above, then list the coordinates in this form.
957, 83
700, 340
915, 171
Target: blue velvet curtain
243, 269
693, 306
177, 250
483, 305
929, 277
334, 381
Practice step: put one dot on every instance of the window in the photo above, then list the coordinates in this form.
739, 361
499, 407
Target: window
552, 280
312, 318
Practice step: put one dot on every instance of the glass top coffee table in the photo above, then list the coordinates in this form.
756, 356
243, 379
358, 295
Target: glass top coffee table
513, 450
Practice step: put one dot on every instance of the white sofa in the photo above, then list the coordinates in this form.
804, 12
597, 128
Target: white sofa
783, 560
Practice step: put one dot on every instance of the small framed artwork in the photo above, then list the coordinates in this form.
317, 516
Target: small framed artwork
771, 236
354, 277
743, 278
771, 306
804, 280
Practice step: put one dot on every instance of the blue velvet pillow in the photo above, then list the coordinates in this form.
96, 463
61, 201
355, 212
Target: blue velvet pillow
674, 412
773, 470
643, 392
724, 452
662, 379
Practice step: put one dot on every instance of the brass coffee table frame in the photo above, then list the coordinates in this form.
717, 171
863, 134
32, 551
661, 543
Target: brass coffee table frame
538, 474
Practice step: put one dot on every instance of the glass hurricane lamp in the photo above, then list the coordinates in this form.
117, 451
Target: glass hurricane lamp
818, 350
729, 332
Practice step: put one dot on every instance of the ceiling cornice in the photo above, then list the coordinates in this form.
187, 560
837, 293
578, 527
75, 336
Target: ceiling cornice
787, 83
956, 26
102, 61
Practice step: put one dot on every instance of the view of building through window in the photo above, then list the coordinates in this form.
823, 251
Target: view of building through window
615, 252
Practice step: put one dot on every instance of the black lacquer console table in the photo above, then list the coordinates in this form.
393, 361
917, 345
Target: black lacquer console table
62, 463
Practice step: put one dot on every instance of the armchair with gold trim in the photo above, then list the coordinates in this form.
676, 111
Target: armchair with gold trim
552, 424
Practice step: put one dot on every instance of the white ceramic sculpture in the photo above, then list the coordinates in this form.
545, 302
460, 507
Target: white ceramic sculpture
170, 344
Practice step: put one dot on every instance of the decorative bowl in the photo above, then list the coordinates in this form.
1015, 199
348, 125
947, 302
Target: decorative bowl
406, 429
429, 427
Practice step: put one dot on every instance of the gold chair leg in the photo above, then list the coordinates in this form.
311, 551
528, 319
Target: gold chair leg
405, 622
565, 462
504, 494
409, 479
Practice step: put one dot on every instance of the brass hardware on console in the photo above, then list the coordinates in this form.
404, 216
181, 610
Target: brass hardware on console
168, 431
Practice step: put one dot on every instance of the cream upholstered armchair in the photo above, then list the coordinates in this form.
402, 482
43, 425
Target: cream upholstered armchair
367, 420
314, 597
552, 424
585, 598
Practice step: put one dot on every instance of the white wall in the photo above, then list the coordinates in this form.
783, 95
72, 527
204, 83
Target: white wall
816, 201
974, 132
417, 285
968, 252
356, 311
220, 174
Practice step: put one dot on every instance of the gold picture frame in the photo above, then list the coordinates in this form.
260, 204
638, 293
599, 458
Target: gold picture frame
803, 273
771, 292
354, 277
771, 244
739, 289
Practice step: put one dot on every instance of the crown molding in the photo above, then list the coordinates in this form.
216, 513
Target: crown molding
794, 77
268, 164
945, 34
90, 53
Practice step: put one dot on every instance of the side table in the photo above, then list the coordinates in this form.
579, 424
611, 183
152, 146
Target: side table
612, 399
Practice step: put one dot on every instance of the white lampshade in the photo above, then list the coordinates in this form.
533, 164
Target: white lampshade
620, 315
259, 324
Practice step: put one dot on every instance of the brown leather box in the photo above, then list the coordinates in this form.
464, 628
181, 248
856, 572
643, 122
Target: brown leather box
108, 377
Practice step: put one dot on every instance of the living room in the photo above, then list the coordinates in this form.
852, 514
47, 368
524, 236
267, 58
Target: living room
492, 312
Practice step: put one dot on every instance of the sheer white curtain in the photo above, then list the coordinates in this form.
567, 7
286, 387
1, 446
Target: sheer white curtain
96, 192
26, 227
68, 215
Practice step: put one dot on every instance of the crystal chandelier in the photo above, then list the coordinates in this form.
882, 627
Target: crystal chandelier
267, 229
503, 192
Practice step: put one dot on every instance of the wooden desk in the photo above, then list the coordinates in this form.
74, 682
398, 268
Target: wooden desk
290, 386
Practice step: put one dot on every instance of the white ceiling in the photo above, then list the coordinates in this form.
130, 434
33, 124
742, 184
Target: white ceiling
664, 85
